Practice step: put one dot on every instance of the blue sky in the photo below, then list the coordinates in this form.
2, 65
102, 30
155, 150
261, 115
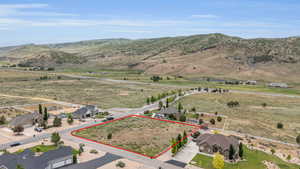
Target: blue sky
51, 21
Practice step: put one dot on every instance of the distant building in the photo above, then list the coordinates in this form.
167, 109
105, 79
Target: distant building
251, 82
213, 143
26, 120
279, 85
86, 112
49, 160
168, 112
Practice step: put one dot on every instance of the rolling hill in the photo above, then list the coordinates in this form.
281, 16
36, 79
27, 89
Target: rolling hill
214, 55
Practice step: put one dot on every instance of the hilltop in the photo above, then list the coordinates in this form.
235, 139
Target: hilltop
214, 55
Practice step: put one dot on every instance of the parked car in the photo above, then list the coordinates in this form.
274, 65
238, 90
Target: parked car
109, 118
15, 144
38, 129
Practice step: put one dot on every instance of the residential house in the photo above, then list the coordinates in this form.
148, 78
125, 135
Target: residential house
213, 143
170, 112
26, 120
86, 112
279, 85
49, 160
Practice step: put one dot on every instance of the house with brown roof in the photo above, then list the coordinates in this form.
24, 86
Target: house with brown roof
213, 143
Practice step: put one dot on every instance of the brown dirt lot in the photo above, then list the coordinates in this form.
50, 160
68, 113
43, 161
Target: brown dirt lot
141, 135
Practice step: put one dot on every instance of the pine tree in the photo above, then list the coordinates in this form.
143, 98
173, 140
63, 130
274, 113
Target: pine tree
218, 161
179, 140
148, 100
161, 104
180, 107
185, 138
174, 146
46, 115
167, 102
40, 109
57, 122
231, 152
241, 150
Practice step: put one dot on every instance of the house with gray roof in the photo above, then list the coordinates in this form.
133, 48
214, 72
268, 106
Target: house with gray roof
213, 143
85, 112
168, 112
26, 120
53, 159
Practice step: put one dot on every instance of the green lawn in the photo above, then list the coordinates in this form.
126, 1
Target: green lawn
254, 161
43, 148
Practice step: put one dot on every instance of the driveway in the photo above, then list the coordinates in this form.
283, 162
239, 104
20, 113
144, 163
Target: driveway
188, 153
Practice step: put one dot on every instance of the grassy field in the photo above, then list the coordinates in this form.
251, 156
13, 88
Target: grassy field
251, 117
141, 135
254, 160
9, 101
102, 93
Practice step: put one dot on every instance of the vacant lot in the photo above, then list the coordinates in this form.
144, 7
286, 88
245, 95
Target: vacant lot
254, 159
142, 135
10, 113
251, 116
12, 101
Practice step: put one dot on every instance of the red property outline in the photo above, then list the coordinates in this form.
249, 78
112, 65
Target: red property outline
197, 127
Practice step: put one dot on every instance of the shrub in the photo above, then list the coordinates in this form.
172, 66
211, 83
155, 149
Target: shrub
94, 151
201, 121
212, 121
196, 134
298, 139
273, 151
182, 118
219, 119
120, 164
109, 136
279, 125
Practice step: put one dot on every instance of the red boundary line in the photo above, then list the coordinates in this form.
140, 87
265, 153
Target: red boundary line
151, 157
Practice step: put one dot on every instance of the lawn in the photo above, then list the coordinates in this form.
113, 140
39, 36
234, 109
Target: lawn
43, 148
254, 160
142, 135
251, 117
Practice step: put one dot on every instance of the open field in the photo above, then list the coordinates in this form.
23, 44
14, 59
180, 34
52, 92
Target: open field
251, 117
102, 93
254, 160
138, 134
11, 101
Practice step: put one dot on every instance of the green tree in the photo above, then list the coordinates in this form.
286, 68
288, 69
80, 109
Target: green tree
241, 150
201, 121
2, 120
18, 129
182, 118
218, 161
279, 125
298, 139
148, 100
174, 146
167, 102
40, 109
109, 136
55, 138
161, 104
180, 107
185, 139
212, 121
81, 148
57, 122
231, 152
46, 115
70, 119
273, 151
153, 99
219, 118
179, 141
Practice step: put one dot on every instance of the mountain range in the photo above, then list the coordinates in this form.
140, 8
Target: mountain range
213, 55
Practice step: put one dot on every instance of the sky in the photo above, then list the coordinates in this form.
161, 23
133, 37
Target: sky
55, 21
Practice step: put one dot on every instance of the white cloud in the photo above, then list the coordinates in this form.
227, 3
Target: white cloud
204, 16
27, 10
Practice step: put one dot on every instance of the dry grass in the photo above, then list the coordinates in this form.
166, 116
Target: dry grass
10, 113
142, 135
251, 117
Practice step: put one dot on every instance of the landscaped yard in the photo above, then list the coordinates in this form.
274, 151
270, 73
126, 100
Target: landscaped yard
254, 160
142, 135
251, 116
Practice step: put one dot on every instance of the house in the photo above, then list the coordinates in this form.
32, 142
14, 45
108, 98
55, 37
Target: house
26, 120
279, 85
49, 160
86, 112
169, 112
213, 143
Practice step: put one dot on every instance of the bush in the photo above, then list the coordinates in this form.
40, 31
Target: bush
94, 151
120, 164
109, 136
212, 121
219, 119
279, 125
196, 134
298, 139
201, 121
182, 118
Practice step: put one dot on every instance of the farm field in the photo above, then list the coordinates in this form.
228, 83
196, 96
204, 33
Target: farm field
139, 134
251, 116
254, 159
